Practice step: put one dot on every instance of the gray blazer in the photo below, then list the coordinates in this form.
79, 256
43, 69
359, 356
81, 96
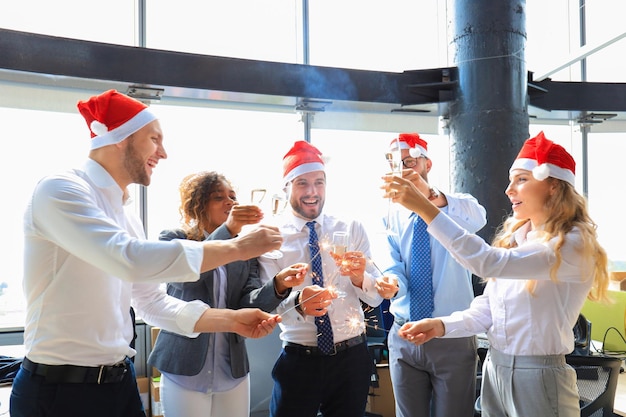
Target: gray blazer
181, 355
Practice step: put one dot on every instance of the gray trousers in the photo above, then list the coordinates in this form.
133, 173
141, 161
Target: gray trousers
528, 386
436, 379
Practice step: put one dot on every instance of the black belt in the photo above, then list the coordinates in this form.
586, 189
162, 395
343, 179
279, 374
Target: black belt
105, 374
315, 351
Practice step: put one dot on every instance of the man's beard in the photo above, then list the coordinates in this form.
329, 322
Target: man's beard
302, 210
134, 165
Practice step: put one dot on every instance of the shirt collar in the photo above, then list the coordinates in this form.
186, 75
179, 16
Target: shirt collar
300, 224
523, 234
103, 180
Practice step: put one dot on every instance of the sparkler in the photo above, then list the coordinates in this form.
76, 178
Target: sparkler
375, 266
356, 323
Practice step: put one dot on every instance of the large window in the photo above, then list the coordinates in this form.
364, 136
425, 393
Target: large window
268, 30
112, 22
247, 147
41, 143
395, 35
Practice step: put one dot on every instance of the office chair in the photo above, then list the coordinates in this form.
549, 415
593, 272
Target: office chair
481, 351
596, 378
376, 332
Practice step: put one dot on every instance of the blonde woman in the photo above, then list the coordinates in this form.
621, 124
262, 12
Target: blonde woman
544, 262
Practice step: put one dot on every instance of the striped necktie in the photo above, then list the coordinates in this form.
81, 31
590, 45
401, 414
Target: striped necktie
324, 330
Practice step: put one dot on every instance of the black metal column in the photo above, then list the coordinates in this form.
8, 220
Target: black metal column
489, 117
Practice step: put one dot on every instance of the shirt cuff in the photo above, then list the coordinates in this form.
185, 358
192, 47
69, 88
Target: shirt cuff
455, 325
189, 315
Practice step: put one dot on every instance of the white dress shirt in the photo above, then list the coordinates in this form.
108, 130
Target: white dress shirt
85, 257
346, 314
516, 321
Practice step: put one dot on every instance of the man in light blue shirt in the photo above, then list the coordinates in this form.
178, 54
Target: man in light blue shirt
437, 378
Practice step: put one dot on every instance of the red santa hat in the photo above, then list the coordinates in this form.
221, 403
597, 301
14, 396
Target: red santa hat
112, 117
302, 158
417, 146
545, 159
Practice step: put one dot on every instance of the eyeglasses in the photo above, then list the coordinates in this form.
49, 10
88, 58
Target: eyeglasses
410, 162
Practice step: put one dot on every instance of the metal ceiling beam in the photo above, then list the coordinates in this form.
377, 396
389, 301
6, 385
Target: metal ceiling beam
577, 96
220, 76
22, 51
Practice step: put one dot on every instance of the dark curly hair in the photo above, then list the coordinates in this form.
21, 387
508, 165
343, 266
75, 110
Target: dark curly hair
195, 192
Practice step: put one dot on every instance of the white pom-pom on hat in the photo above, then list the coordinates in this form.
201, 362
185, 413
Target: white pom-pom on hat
98, 128
415, 152
541, 172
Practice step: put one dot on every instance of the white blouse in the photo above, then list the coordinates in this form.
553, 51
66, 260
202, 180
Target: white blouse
516, 321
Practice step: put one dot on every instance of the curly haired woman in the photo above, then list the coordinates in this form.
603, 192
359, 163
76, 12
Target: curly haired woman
209, 375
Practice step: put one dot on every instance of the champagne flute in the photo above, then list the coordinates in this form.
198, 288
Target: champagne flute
256, 196
394, 159
279, 203
340, 244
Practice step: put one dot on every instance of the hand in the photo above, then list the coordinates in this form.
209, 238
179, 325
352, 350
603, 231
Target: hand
254, 323
248, 322
314, 300
403, 191
352, 264
419, 332
240, 216
261, 239
387, 286
290, 277
420, 183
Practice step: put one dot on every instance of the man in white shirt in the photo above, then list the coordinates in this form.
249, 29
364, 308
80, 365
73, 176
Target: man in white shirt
87, 261
310, 376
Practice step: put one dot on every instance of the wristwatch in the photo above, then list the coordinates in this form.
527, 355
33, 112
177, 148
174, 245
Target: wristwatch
434, 194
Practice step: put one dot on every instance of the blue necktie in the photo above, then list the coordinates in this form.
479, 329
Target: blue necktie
324, 330
421, 279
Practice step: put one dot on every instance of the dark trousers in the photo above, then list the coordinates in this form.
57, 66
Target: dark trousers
335, 385
31, 396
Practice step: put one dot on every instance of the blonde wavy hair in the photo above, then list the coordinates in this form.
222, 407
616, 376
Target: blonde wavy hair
195, 192
567, 209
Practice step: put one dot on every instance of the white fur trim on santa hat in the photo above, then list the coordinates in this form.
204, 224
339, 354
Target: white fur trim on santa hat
543, 171
523, 163
414, 152
393, 146
303, 169
121, 132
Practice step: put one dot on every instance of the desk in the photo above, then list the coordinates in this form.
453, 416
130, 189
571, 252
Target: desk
619, 406
15, 351
5, 394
